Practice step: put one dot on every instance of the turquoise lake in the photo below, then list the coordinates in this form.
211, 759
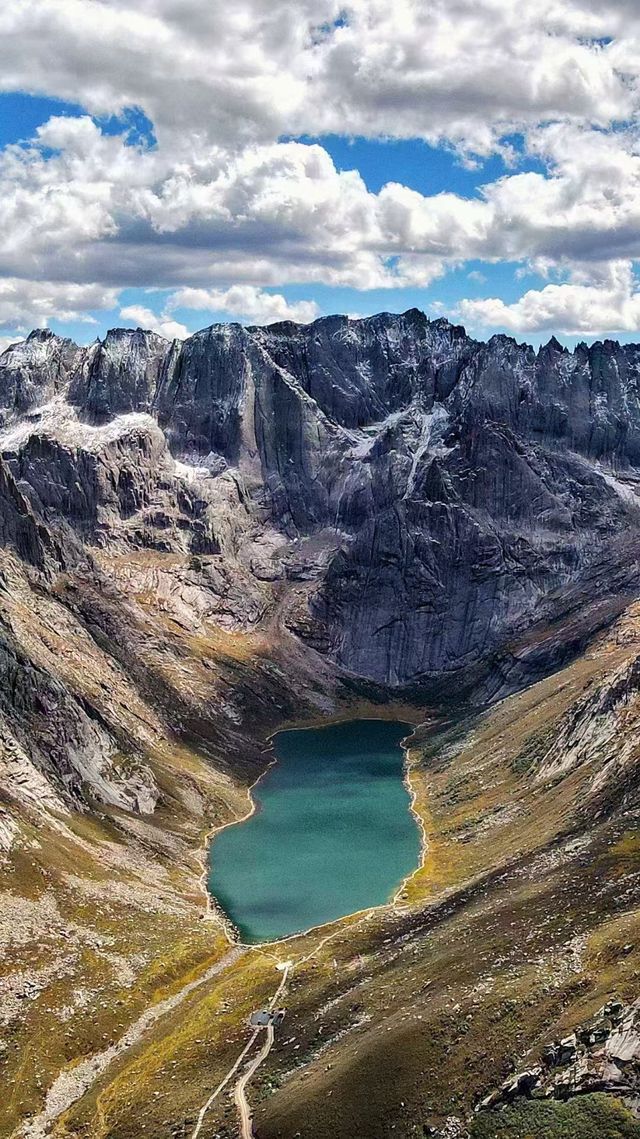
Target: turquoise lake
332, 832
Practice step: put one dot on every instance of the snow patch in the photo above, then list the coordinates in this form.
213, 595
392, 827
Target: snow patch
189, 472
422, 432
431, 429
59, 420
624, 490
192, 467
365, 440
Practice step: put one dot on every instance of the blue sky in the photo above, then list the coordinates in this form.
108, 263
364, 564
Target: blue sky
199, 175
413, 163
21, 114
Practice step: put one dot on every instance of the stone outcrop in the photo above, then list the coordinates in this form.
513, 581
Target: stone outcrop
34, 370
19, 528
119, 374
466, 491
602, 1055
55, 747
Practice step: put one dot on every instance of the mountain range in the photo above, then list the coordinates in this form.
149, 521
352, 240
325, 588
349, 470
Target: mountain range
201, 541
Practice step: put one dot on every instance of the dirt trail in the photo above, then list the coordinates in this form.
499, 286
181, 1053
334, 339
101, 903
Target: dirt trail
242, 1104
239, 1093
73, 1083
223, 1083
246, 1115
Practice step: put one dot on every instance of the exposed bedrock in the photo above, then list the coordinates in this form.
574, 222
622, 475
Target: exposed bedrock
119, 374
19, 528
448, 494
69, 748
34, 370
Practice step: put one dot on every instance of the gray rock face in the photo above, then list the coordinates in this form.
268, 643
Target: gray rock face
204, 387
66, 743
454, 492
602, 1055
84, 481
119, 374
19, 528
35, 369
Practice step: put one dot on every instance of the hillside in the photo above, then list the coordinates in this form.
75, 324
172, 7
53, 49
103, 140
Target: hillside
203, 541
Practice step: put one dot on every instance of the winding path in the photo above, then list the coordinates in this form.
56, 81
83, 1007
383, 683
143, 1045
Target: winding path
246, 1115
240, 1097
239, 1093
73, 1082
223, 1083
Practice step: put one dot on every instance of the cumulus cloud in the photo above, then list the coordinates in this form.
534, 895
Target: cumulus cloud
162, 324
470, 71
246, 302
26, 304
222, 208
76, 203
609, 304
585, 207
83, 202
80, 203
8, 341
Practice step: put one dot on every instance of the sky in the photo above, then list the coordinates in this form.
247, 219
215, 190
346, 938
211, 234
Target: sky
172, 163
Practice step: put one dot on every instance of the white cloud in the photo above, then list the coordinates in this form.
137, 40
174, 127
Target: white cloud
587, 205
162, 324
470, 71
25, 304
222, 205
97, 208
100, 210
242, 302
609, 304
8, 341
247, 302
77, 203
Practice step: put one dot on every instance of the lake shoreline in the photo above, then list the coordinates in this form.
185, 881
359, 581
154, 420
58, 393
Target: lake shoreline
381, 753
413, 797
213, 909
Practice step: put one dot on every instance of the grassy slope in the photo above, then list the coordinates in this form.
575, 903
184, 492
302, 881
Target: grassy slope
100, 913
592, 1117
522, 922
518, 925
105, 923
541, 906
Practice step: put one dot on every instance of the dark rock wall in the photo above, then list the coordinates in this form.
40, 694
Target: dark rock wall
469, 484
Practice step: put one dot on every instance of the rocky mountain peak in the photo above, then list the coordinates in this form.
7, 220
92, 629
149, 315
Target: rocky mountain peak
553, 347
464, 483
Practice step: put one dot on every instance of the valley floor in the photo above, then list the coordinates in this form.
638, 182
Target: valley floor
523, 920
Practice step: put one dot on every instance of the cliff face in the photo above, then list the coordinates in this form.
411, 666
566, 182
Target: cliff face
201, 541
453, 493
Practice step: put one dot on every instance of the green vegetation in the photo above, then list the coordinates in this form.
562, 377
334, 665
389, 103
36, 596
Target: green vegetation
522, 922
534, 749
590, 1117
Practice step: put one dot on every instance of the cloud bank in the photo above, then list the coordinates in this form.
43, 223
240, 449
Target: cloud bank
222, 206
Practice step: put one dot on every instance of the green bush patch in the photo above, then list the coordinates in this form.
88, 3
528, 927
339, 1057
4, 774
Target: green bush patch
589, 1117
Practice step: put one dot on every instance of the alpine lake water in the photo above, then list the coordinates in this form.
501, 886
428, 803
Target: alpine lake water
332, 832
